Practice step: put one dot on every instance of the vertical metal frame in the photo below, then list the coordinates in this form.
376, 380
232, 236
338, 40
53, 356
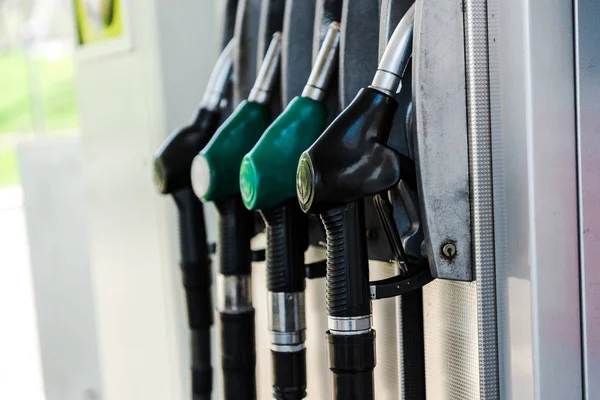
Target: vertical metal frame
482, 192
587, 47
532, 107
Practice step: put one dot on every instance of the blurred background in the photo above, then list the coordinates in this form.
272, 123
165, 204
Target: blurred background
90, 298
37, 82
37, 100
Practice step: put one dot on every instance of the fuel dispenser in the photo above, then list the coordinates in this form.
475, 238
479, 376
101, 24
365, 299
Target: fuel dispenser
320, 176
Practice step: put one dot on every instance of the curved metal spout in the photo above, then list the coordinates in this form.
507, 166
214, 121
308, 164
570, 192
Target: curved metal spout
220, 75
265, 80
324, 65
396, 56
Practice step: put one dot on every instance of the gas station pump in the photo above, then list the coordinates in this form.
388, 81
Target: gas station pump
378, 174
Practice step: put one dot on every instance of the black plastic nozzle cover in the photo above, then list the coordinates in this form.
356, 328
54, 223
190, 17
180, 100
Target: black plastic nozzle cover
351, 159
173, 159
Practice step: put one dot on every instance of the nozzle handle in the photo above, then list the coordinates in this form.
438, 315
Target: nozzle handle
236, 228
347, 288
196, 276
287, 240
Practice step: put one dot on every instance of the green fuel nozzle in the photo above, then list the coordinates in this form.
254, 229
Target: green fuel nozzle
215, 170
267, 183
267, 174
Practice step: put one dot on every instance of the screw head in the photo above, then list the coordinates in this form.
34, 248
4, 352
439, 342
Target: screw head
449, 250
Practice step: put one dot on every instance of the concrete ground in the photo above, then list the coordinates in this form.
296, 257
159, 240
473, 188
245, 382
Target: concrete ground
20, 366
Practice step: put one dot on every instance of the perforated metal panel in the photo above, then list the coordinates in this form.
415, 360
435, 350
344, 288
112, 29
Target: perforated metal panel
451, 356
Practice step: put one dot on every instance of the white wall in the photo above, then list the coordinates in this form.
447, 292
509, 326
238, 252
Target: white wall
53, 198
128, 102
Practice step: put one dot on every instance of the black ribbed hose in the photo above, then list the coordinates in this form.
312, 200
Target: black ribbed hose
287, 240
238, 353
196, 276
351, 352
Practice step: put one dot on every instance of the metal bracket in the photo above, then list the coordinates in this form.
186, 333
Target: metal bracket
398, 285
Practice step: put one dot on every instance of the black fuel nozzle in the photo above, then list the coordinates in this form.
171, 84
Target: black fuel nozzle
351, 161
174, 157
171, 175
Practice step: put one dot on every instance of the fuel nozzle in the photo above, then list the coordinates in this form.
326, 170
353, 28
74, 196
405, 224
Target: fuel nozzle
215, 169
174, 157
358, 137
171, 176
267, 183
348, 162
268, 170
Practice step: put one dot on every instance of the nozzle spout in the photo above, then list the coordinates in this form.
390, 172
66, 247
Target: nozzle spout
324, 65
219, 77
396, 56
267, 74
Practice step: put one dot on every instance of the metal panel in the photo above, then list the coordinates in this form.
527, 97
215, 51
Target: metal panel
535, 203
481, 185
587, 31
451, 357
441, 145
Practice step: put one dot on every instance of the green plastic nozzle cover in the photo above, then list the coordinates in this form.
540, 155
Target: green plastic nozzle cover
215, 170
268, 172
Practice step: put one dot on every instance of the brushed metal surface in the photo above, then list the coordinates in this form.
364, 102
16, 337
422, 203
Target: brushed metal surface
451, 336
587, 31
535, 198
439, 94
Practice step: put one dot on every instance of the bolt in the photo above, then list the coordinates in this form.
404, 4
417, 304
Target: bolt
449, 250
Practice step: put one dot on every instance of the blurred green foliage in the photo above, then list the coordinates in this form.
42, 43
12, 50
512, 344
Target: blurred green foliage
55, 90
